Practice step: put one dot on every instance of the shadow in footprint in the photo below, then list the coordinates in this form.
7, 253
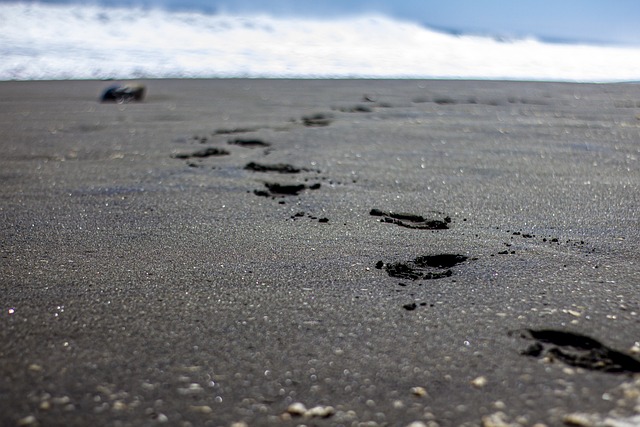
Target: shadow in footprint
426, 267
409, 220
207, 152
275, 190
279, 168
577, 350
248, 143
317, 120
230, 131
356, 109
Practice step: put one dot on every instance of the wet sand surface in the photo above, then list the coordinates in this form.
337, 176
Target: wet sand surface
381, 252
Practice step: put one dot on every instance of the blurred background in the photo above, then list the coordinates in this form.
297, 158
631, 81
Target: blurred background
568, 40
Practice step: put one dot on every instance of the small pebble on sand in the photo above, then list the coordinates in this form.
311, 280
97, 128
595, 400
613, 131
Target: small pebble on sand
203, 409
119, 405
479, 382
578, 420
29, 420
297, 409
498, 419
320, 412
418, 391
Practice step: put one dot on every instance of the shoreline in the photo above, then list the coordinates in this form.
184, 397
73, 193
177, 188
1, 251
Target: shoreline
327, 79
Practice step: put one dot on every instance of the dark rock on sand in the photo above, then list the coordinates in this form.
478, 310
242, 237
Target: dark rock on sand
410, 307
123, 93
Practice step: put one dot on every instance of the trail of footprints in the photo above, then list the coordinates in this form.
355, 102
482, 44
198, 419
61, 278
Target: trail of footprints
572, 349
270, 189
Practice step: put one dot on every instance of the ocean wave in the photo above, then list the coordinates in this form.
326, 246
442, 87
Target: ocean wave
39, 41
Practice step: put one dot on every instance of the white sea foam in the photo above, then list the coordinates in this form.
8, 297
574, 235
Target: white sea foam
76, 42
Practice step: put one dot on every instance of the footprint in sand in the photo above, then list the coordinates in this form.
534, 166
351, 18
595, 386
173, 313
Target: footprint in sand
277, 168
317, 120
411, 220
577, 350
207, 152
249, 143
427, 267
276, 190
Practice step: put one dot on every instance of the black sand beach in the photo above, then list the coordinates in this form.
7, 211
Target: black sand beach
442, 253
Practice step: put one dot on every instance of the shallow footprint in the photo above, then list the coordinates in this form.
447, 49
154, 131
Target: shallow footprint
409, 220
278, 167
317, 120
207, 152
249, 143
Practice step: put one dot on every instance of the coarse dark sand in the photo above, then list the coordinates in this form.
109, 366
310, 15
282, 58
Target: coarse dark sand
137, 290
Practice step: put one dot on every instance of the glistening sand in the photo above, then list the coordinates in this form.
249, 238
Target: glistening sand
141, 284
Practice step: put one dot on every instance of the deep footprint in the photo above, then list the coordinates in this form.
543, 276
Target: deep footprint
409, 220
577, 350
440, 261
426, 267
207, 152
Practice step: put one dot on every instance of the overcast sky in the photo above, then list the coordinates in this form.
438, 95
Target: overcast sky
608, 21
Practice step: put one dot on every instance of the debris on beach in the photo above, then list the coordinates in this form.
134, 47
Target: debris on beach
123, 93
302, 214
